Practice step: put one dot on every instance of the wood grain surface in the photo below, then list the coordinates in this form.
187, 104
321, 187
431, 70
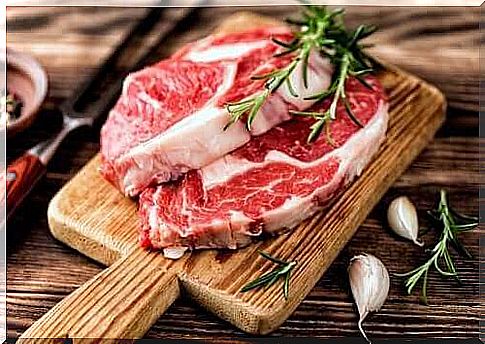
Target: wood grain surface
41, 271
123, 301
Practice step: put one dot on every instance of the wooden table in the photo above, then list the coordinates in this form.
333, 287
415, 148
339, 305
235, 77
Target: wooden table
441, 45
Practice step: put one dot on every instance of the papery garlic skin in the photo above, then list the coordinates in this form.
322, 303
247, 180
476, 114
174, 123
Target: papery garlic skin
403, 219
369, 282
174, 252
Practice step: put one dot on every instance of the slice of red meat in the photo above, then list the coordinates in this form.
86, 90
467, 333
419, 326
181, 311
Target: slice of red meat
170, 116
274, 181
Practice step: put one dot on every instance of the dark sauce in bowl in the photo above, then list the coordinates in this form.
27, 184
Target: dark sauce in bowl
26, 91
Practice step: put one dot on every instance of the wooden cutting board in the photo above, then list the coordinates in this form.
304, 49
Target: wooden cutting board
124, 300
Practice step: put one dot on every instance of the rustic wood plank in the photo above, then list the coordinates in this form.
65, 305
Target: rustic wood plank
41, 271
121, 302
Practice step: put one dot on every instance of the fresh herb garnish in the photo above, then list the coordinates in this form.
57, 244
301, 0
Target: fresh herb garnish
322, 31
283, 270
310, 37
349, 60
451, 224
10, 107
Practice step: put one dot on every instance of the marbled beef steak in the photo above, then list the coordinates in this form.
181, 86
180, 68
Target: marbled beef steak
274, 181
170, 116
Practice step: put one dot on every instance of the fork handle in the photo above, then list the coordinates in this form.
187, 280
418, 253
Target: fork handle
22, 175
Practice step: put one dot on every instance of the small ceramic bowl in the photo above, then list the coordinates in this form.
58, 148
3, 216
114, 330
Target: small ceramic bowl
27, 80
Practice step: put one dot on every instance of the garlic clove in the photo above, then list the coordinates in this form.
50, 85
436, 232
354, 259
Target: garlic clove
174, 252
403, 219
369, 282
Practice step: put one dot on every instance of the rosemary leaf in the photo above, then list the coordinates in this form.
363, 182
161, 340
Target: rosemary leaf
316, 129
282, 270
424, 296
304, 70
272, 259
258, 103
286, 285
362, 72
264, 279
273, 280
283, 44
290, 88
306, 113
364, 82
460, 249
462, 217
351, 113
320, 96
286, 52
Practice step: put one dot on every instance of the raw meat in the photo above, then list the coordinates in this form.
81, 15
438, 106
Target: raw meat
275, 181
170, 116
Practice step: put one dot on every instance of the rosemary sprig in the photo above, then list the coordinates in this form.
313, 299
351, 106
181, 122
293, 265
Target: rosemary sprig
451, 223
321, 31
349, 60
323, 120
311, 36
282, 270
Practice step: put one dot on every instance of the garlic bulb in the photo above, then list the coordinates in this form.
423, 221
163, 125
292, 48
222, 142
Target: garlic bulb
403, 219
369, 282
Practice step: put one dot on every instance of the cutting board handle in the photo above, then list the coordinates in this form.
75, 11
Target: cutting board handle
123, 301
